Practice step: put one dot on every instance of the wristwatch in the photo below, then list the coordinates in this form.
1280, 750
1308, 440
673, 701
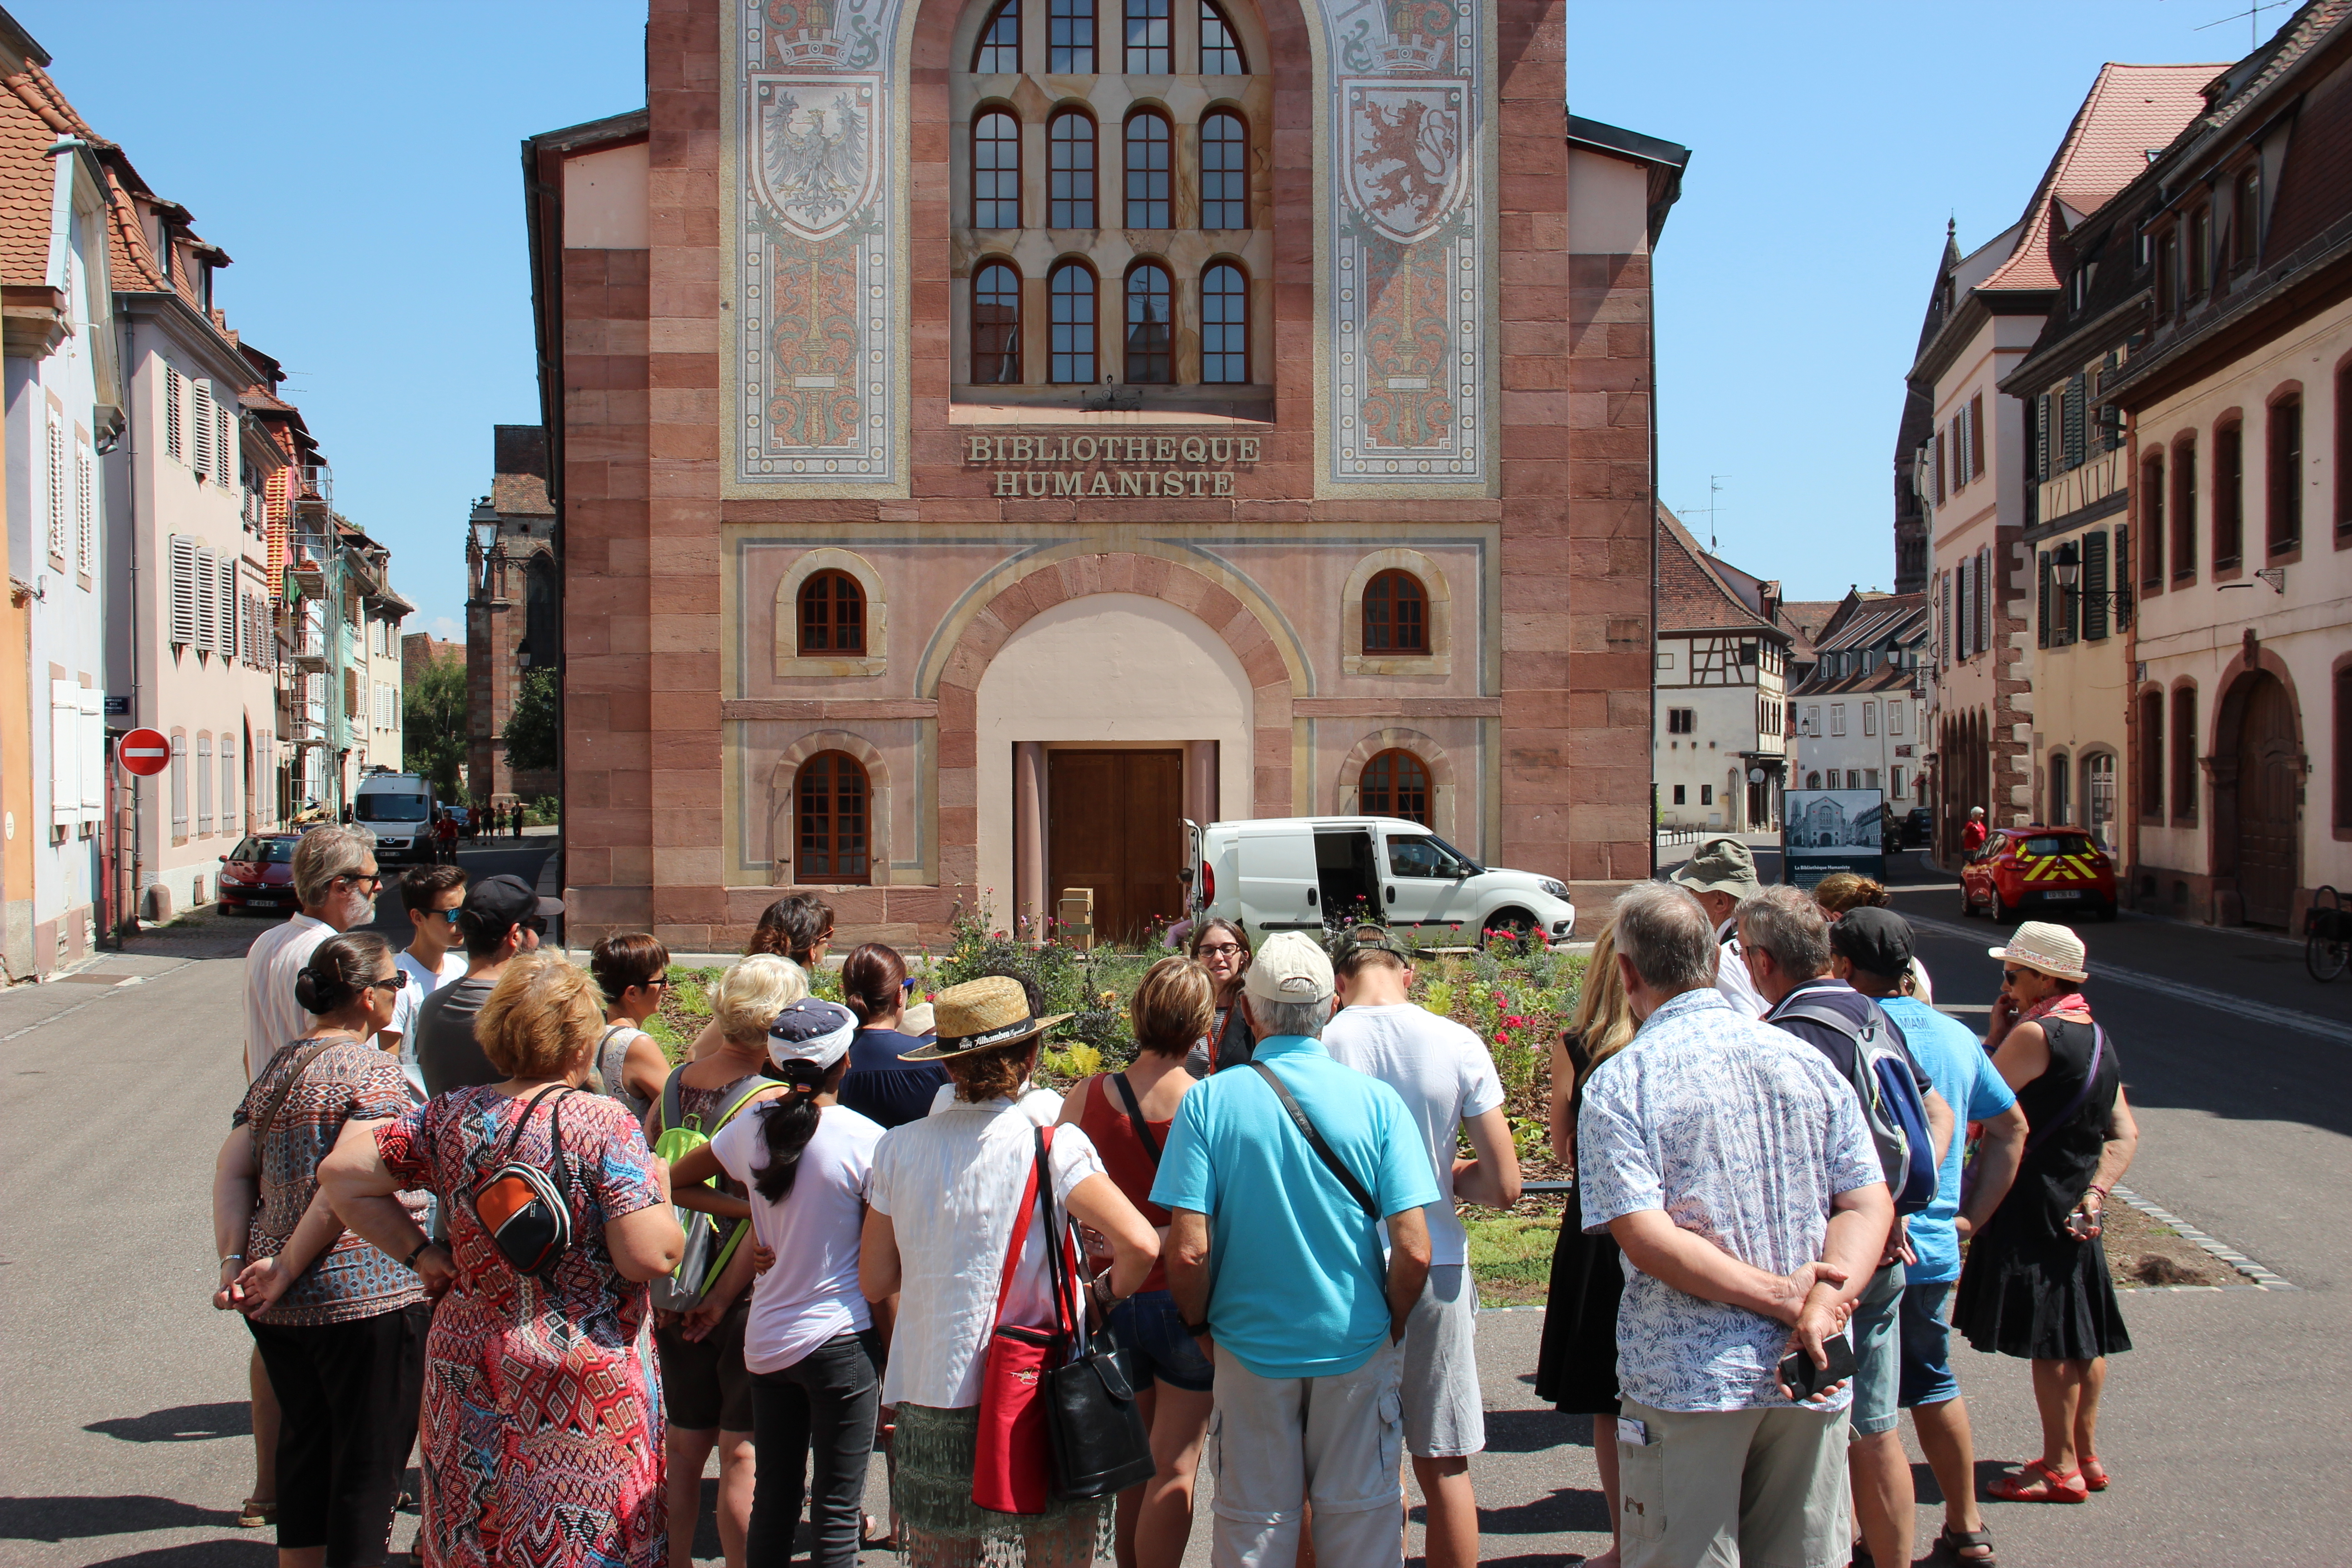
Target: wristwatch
409, 1262
1195, 1329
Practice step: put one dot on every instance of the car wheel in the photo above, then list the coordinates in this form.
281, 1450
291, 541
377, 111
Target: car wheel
1968, 903
1516, 925
1996, 910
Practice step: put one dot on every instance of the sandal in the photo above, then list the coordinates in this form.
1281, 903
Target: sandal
2094, 1474
868, 1538
1952, 1542
2037, 1482
257, 1514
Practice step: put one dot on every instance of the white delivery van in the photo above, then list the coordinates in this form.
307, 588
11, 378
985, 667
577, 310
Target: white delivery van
398, 808
1316, 873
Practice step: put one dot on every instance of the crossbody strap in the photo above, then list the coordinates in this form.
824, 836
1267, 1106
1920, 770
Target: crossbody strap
1135, 1114
261, 1124
2049, 1130
1308, 1131
1040, 1181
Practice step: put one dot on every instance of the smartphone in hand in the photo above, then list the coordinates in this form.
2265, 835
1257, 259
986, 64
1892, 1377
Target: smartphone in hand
1803, 1379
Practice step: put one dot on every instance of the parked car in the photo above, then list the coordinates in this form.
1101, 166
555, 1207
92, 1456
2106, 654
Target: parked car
398, 807
1918, 827
1314, 873
259, 874
2046, 869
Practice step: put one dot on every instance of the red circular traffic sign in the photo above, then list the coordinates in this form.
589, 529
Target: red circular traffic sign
144, 751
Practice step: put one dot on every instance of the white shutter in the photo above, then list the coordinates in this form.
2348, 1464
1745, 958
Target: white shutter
173, 445
65, 754
208, 590
60, 480
204, 786
205, 460
227, 449
230, 822
178, 786
184, 591
225, 643
85, 510
93, 754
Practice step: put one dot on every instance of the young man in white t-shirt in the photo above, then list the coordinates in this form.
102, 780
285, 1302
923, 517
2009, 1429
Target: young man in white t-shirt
1447, 1080
431, 895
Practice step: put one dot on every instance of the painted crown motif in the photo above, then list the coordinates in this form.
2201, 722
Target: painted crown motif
1412, 53
820, 47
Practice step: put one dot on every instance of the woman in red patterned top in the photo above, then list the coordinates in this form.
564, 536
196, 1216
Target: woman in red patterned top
340, 1326
542, 1433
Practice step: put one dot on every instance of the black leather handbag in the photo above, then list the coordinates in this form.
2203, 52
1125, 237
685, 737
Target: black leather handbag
1100, 1445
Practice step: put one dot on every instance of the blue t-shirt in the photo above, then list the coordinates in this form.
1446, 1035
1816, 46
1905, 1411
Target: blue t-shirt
881, 1088
1963, 1073
1296, 1259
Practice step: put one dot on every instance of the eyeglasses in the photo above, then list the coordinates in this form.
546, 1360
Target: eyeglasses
659, 982
1219, 949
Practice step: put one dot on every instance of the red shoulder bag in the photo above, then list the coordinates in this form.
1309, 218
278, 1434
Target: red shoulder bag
1013, 1467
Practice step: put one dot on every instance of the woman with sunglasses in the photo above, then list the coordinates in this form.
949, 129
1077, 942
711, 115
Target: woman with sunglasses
633, 971
1222, 949
339, 1325
2035, 1282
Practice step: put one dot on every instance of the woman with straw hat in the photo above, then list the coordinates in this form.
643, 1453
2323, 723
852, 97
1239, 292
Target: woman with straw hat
2035, 1282
944, 1199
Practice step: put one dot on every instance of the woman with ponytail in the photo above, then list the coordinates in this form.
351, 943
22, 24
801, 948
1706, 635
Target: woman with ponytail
340, 1326
813, 1345
881, 1084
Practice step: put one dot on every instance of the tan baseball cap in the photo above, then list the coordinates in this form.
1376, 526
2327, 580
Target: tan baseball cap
1290, 966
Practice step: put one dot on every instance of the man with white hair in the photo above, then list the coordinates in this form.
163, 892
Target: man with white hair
1278, 1173
335, 882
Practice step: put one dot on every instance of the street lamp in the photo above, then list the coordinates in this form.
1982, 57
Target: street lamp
485, 538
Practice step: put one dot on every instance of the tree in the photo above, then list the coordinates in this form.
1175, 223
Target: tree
433, 716
531, 726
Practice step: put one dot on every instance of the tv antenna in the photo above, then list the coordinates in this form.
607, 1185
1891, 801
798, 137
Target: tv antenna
2253, 15
1714, 488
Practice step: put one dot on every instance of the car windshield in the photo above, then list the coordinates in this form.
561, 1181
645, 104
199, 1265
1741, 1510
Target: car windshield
2054, 844
275, 851
390, 808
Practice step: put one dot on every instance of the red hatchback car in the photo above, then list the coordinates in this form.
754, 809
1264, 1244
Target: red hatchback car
259, 874
2045, 870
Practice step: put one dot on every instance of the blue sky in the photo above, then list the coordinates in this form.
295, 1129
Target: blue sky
1830, 142
360, 163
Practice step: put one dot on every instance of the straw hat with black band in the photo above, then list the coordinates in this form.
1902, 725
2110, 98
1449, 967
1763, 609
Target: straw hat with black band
981, 1015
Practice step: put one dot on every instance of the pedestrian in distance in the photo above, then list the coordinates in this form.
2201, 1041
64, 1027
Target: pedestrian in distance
881, 1085
444, 838
1223, 948
1871, 951
335, 884
1576, 1365
813, 1345
500, 920
517, 815
942, 1209
430, 896
340, 1326
1446, 1078
632, 970
2035, 1283
1125, 1116
1973, 836
706, 1384
524, 1357
1720, 872
1786, 943
1739, 1180
1274, 1261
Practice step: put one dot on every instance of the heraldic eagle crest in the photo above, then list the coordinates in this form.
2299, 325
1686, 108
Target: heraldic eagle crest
816, 153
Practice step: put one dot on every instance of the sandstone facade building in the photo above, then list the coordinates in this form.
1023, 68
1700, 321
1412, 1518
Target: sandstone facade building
986, 433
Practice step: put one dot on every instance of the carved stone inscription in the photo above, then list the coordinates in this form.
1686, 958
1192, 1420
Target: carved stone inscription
1138, 467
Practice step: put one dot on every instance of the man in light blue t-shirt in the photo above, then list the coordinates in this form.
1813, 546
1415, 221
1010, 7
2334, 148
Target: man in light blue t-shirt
1872, 950
1269, 1252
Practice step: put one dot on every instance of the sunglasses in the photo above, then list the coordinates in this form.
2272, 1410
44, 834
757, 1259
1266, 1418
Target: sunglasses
397, 980
374, 883
536, 925
659, 982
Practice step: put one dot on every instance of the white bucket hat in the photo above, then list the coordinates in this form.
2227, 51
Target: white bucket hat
2051, 949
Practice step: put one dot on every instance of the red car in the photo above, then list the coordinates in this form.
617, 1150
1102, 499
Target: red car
2048, 870
259, 874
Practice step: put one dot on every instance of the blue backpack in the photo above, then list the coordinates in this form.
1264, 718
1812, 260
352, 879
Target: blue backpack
1892, 1106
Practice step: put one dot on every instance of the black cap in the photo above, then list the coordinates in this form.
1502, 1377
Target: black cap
1876, 939
496, 903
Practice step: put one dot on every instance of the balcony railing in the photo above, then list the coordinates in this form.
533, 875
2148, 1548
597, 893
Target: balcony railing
318, 479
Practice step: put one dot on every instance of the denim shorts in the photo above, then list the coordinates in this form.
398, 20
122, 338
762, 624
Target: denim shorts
1873, 1333
1147, 1326
1926, 1346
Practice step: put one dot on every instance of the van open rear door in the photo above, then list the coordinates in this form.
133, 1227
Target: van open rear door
1196, 896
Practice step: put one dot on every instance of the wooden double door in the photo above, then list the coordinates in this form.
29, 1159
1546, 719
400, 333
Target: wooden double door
2269, 780
1115, 823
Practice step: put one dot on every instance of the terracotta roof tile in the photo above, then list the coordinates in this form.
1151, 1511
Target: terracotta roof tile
1691, 596
2300, 35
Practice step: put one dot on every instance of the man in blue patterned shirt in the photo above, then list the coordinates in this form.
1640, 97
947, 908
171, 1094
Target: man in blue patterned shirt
1733, 1168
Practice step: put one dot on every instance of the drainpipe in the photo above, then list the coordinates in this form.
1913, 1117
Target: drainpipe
127, 912
1652, 526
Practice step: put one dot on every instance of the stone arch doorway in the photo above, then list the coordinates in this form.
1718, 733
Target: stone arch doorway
2257, 770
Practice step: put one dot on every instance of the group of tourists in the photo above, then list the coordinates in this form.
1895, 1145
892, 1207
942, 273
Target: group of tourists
469, 1205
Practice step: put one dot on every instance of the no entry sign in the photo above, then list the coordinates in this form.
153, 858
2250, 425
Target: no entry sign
144, 751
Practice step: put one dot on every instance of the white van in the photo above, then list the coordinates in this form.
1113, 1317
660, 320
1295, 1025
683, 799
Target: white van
399, 809
1314, 873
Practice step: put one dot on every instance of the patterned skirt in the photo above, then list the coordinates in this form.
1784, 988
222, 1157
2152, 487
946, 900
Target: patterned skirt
934, 1454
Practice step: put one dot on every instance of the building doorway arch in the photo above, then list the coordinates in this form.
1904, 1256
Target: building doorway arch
2257, 771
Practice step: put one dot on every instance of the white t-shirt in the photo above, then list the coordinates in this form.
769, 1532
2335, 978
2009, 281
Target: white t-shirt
272, 1015
1731, 976
1443, 1074
422, 982
812, 1294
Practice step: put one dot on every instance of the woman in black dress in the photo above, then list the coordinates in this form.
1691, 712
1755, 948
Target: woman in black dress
2035, 1282
1576, 1368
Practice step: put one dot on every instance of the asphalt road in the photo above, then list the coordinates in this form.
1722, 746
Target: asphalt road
125, 1439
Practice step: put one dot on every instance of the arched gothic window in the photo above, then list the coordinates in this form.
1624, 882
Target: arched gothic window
833, 615
1224, 325
1150, 335
832, 796
996, 171
999, 52
1221, 50
1225, 171
1071, 293
1070, 170
1150, 172
1395, 784
996, 325
1396, 615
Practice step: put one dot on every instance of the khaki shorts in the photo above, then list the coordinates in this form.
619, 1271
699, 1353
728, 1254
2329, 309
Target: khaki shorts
1444, 1416
1734, 1488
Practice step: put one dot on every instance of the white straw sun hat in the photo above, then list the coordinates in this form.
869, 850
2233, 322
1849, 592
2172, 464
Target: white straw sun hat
2051, 949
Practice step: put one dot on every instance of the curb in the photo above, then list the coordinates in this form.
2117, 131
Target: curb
2263, 1279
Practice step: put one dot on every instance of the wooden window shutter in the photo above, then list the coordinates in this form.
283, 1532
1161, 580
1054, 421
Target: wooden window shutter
178, 786
85, 510
1988, 576
172, 443
1976, 437
94, 753
1968, 626
225, 638
1943, 620
2095, 586
1941, 443
60, 480
65, 754
2123, 576
204, 420
208, 603
227, 447
2042, 437
2076, 390
2041, 634
184, 591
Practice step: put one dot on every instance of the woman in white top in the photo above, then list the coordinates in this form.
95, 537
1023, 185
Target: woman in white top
811, 1345
941, 1217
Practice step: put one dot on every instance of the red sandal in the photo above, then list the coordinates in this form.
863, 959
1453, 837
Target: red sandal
2094, 1474
2037, 1482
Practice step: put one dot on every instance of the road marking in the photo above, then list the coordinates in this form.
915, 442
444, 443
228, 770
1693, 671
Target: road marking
2181, 991
2238, 1260
115, 990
